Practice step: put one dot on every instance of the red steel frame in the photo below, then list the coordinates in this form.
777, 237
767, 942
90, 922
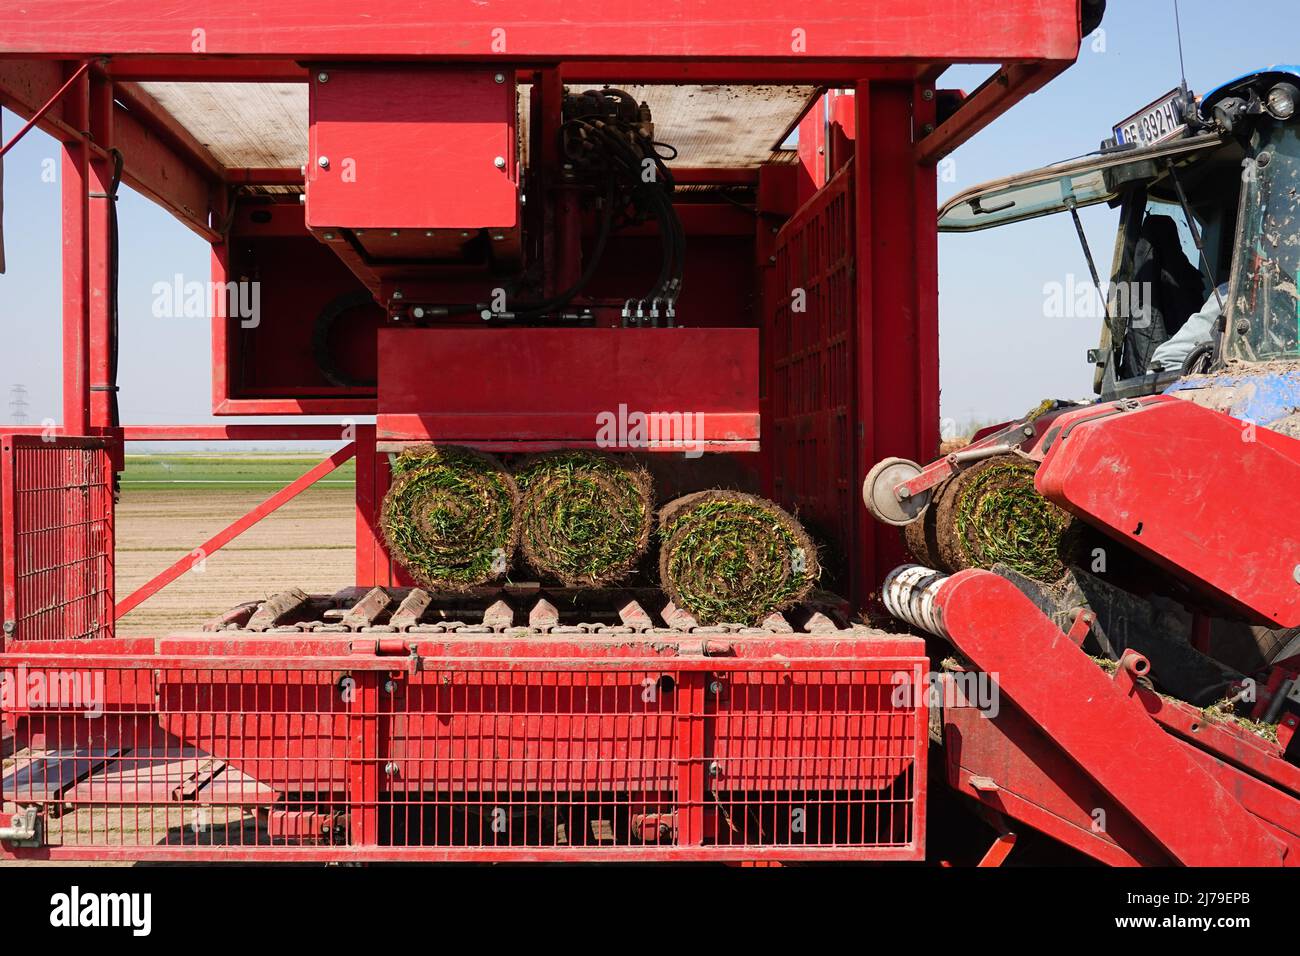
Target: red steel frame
70, 77
77, 77
519, 723
1042, 760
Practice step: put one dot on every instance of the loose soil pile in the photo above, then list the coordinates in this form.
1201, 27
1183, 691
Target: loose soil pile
732, 557
584, 518
451, 517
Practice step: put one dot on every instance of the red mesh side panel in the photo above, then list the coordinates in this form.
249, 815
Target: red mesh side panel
57, 538
812, 382
593, 759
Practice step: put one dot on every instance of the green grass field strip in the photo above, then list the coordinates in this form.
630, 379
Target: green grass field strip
171, 470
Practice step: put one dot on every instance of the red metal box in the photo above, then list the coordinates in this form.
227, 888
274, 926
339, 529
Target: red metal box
408, 149
651, 389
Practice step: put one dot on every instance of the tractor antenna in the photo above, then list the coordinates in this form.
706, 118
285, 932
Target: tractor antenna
1182, 69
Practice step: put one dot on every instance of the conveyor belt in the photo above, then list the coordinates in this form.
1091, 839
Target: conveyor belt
514, 610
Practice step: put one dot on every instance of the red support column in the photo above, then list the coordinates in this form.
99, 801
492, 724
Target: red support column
76, 262
370, 551
841, 128
812, 151
692, 759
222, 344
897, 303
364, 759
100, 344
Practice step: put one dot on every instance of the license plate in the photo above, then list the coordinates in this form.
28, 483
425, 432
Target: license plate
1156, 123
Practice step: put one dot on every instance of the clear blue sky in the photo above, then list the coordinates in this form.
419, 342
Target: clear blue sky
999, 354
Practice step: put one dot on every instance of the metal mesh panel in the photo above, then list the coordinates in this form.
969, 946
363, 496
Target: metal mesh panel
57, 538
469, 760
812, 372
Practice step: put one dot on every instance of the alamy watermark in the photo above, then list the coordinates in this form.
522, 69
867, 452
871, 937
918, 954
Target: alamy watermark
626, 428
75, 690
77, 908
179, 299
1081, 299
947, 689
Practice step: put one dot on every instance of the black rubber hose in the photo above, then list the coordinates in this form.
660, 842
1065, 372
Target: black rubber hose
655, 197
588, 272
320, 338
114, 309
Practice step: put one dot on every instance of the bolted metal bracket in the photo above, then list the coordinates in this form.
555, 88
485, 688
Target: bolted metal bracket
24, 828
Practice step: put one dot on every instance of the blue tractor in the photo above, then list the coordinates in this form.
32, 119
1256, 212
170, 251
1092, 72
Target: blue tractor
1202, 300
1201, 304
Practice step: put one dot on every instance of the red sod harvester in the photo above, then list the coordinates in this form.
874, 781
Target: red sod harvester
493, 226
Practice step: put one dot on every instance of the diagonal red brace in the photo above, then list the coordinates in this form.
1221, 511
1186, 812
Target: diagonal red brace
36, 117
232, 531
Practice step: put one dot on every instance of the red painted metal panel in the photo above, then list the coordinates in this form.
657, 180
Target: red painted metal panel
841, 130
1034, 783
544, 757
1167, 790
412, 149
948, 30
813, 164
56, 498
1191, 504
812, 327
199, 69
584, 385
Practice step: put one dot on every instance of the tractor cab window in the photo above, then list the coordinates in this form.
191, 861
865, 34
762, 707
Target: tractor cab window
1158, 282
1074, 184
1264, 305
1157, 277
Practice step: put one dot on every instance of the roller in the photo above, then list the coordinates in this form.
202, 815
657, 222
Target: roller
909, 594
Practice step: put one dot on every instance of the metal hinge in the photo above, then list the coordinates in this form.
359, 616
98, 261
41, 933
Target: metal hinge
24, 828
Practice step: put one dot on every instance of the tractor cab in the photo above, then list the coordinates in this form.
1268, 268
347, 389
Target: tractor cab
1202, 298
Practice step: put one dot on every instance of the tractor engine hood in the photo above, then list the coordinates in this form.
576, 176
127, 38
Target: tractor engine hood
1268, 396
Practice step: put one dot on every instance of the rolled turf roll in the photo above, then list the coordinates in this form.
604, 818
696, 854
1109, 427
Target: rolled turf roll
992, 514
451, 517
730, 557
584, 518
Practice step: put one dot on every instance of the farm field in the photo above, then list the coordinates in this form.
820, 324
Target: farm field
220, 471
171, 504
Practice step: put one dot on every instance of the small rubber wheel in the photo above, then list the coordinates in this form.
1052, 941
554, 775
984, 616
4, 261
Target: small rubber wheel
878, 492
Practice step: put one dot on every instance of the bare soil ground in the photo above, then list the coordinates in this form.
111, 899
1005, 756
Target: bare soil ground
308, 544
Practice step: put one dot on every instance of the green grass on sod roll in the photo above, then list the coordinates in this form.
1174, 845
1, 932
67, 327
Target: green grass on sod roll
734, 558
451, 517
1000, 518
584, 518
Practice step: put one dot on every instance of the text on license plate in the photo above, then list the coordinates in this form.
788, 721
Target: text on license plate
1160, 121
